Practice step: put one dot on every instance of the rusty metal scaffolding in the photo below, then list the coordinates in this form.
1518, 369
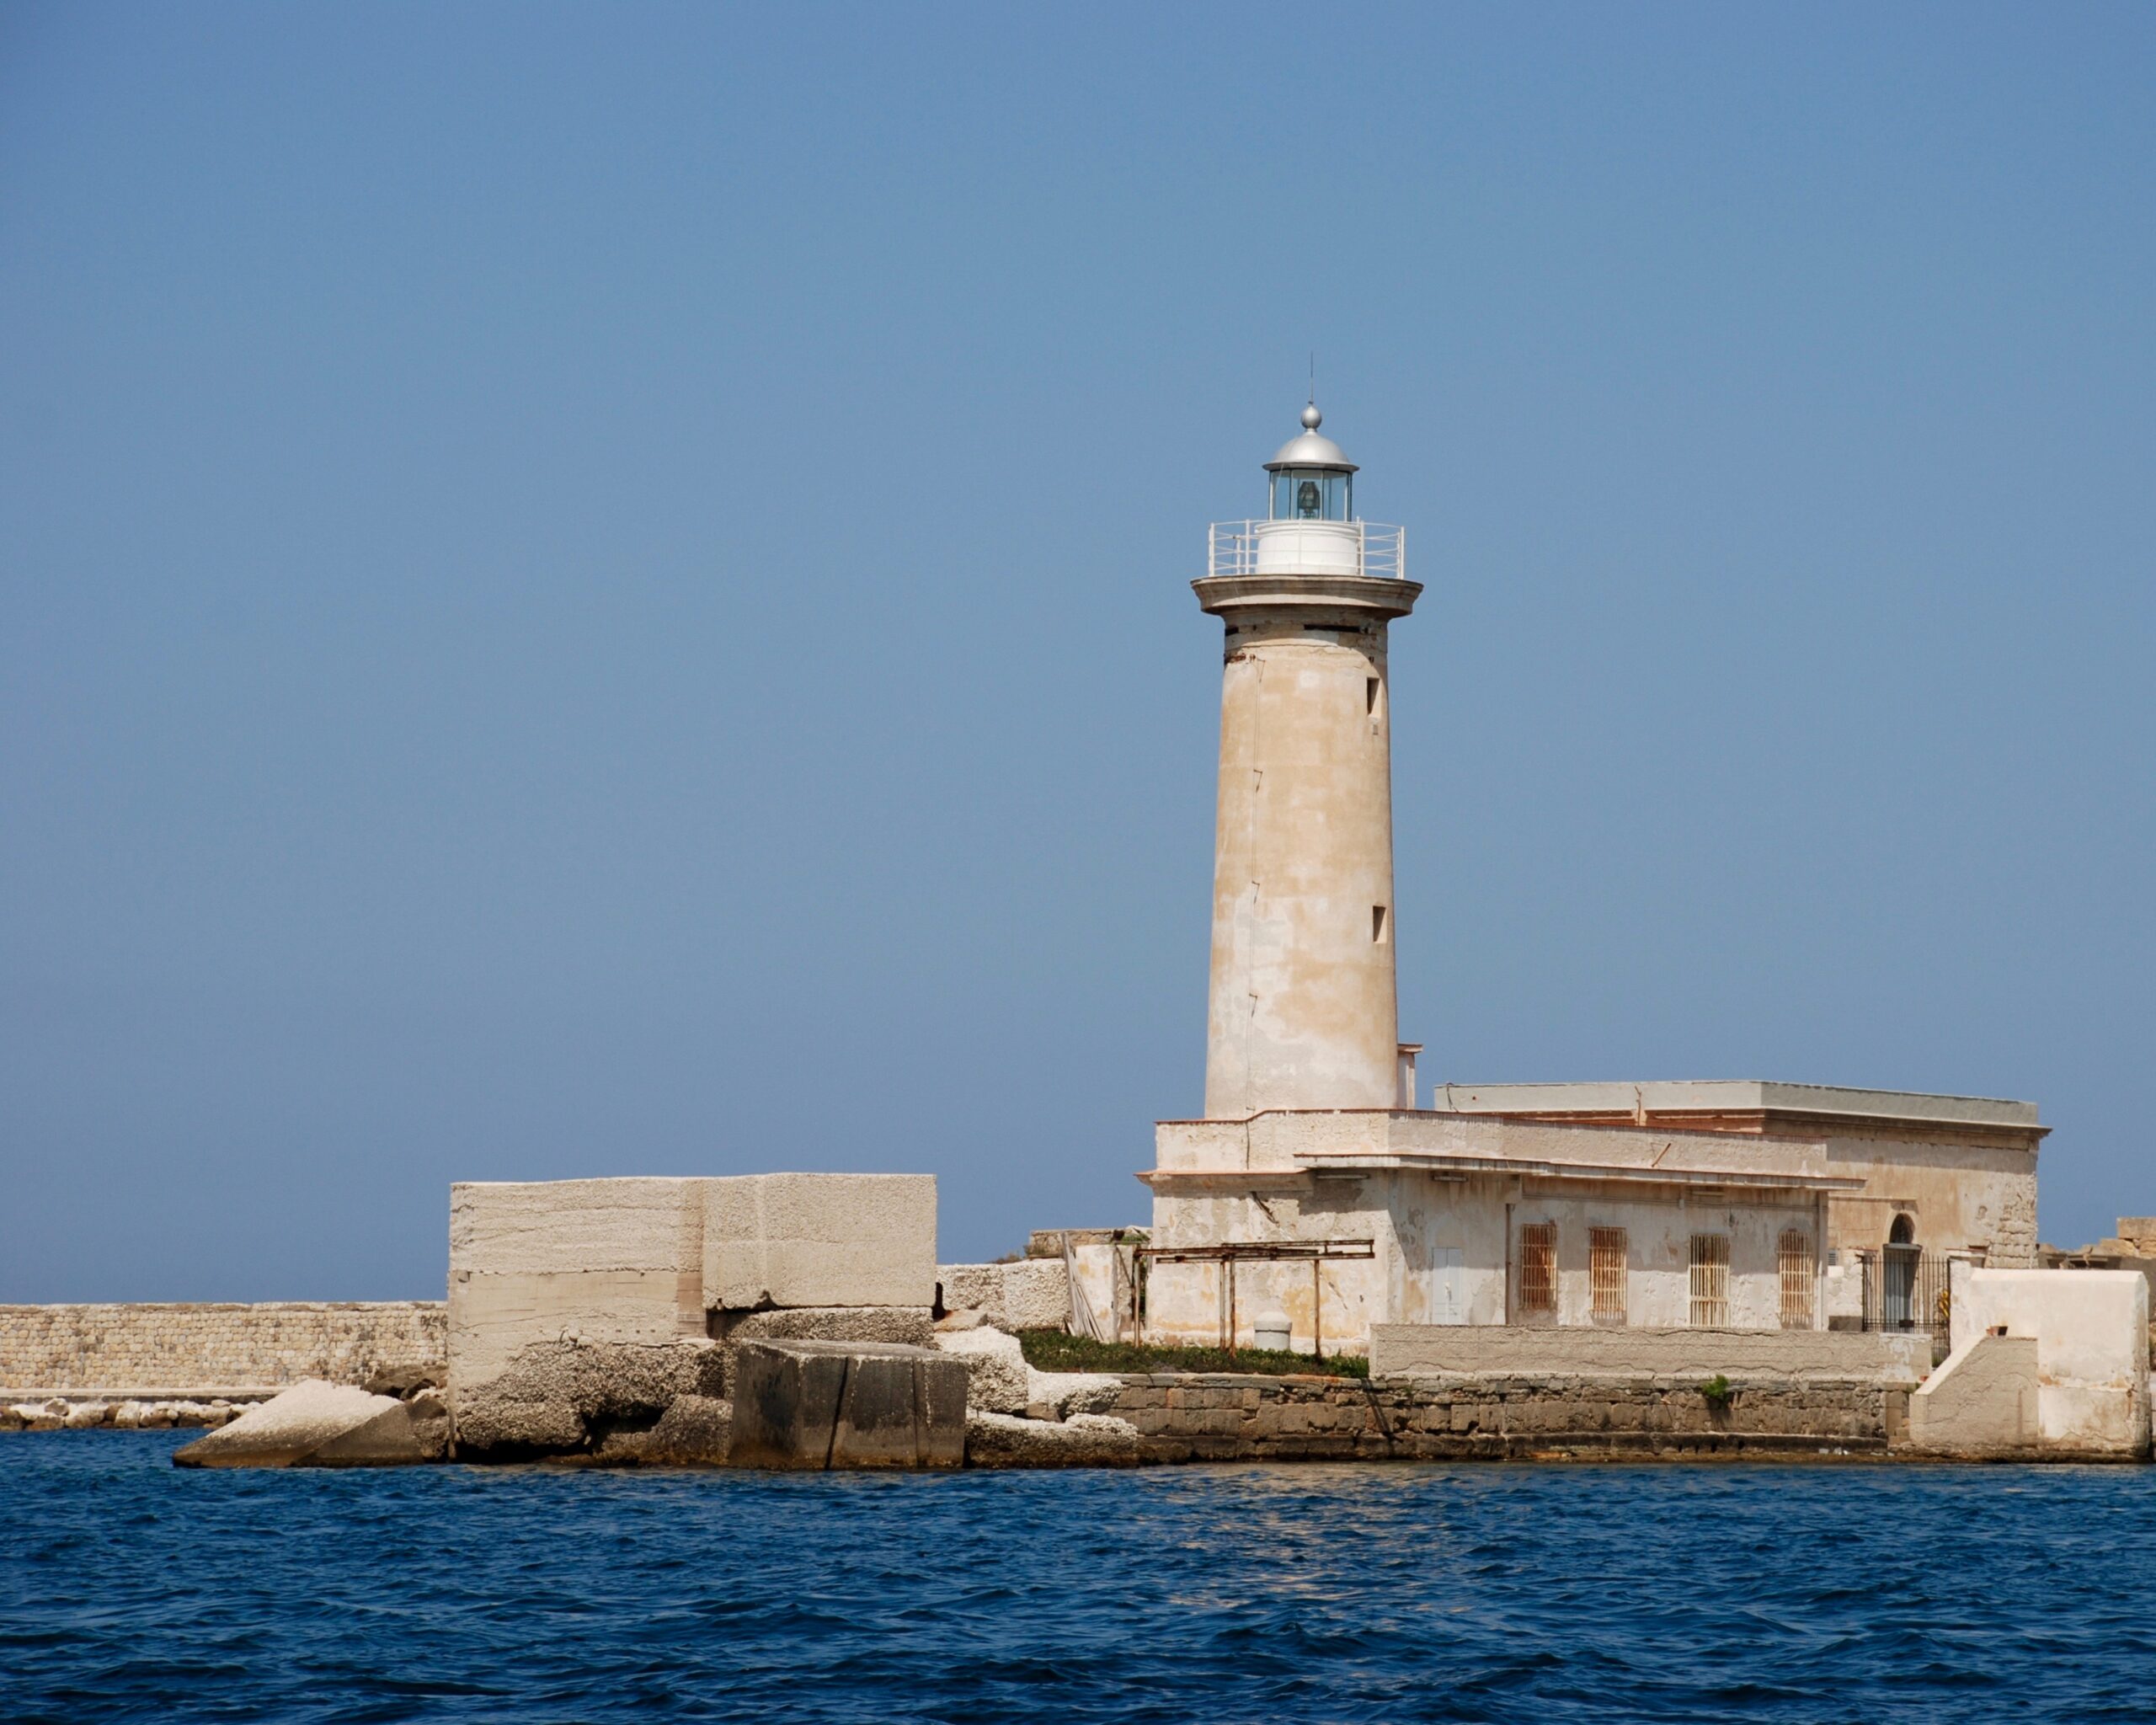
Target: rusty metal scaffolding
1229, 1253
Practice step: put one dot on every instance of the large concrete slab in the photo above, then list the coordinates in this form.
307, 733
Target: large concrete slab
313, 1424
817, 1405
785, 1240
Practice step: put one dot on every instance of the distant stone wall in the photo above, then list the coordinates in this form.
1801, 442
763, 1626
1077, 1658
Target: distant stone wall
1236, 1418
200, 1346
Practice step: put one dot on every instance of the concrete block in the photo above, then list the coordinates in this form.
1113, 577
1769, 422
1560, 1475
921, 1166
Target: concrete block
1982, 1402
313, 1424
910, 1326
818, 1405
534, 1262
1033, 1294
696, 1431
995, 1367
560, 1397
818, 1239
1085, 1441
536, 1227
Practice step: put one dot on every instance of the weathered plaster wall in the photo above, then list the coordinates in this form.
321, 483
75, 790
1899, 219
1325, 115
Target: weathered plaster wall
1302, 1011
1959, 1195
1659, 1240
201, 1347
1183, 1301
2091, 1331
1983, 1400
1419, 1219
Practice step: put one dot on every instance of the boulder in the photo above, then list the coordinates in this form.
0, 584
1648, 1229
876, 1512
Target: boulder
696, 1431
810, 1404
1085, 1441
995, 1368
1059, 1395
313, 1424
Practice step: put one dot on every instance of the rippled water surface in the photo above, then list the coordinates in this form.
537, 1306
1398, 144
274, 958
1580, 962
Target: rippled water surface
129, 1590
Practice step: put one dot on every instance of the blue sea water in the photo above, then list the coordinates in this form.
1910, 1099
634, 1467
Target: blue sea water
130, 1589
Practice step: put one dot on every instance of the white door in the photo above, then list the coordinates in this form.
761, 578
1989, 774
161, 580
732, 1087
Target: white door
1449, 1299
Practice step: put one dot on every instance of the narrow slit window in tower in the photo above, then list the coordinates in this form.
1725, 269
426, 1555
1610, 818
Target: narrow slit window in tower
1370, 696
1377, 924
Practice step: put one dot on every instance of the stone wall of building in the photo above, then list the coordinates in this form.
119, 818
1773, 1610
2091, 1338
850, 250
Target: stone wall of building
192, 1347
1235, 1417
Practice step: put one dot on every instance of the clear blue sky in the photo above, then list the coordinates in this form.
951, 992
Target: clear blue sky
604, 590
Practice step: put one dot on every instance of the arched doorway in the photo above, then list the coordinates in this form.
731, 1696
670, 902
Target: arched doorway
1898, 1260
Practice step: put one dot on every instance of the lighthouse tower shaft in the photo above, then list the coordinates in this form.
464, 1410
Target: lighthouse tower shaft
1304, 1011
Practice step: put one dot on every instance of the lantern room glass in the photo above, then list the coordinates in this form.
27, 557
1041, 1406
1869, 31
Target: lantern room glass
1313, 494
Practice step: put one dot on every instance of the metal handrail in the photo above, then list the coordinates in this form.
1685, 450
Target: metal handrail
1231, 546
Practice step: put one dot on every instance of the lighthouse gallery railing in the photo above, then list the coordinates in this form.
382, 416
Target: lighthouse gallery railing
1231, 546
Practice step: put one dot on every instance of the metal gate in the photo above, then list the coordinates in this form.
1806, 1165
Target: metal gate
1904, 1289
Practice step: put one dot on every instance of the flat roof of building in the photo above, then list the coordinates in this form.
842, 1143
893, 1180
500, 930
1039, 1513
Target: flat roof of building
1720, 1096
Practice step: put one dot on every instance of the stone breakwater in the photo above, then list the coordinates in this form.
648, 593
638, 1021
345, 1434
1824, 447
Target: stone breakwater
70, 1413
166, 1352
1236, 1418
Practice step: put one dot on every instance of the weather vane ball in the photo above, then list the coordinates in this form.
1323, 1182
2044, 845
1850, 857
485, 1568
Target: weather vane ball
1312, 419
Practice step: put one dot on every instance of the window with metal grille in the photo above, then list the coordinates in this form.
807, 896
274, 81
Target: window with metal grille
1796, 1267
1709, 1281
1538, 1268
1605, 1274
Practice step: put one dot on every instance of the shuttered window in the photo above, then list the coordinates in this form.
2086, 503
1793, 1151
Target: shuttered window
1709, 1306
1797, 1270
1538, 1268
1605, 1270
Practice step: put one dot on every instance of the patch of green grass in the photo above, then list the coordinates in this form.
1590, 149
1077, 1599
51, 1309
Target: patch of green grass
1717, 1390
1052, 1350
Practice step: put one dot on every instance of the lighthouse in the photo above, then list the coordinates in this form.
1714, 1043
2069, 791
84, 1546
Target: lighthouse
1303, 1011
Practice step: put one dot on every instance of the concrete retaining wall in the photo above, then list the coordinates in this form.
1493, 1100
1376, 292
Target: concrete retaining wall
1420, 1349
2090, 1328
1235, 1417
189, 1349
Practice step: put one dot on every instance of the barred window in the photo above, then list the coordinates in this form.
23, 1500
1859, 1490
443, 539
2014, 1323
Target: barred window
1709, 1281
1538, 1268
1797, 1270
1605, 1273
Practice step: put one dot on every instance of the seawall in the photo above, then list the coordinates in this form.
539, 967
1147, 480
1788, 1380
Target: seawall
1237, 1418
145, 1351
